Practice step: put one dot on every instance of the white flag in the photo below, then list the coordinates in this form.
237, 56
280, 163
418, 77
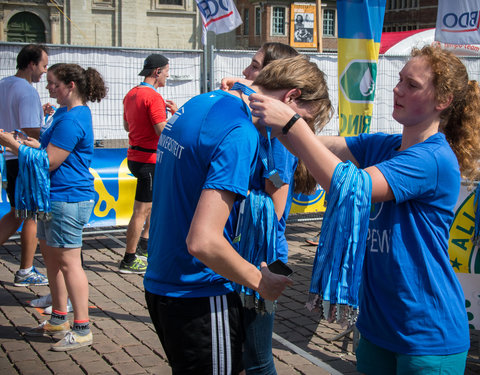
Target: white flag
219, 16
458, 22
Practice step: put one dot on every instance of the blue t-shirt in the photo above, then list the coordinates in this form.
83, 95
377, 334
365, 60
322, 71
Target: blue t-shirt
285, 164
72, 131
209, 143
411, 302
57, 115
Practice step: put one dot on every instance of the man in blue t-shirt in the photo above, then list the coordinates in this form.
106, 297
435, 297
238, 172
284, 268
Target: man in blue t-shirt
206, 157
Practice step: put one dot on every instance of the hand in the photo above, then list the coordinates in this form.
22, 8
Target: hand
228, 82
31, 142
9, 141
48, 109
171, 106
272, 285
271, 112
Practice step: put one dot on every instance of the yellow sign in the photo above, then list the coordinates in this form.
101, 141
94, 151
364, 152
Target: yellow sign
303, 26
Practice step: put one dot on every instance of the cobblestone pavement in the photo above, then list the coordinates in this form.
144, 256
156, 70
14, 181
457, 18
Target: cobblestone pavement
124, 339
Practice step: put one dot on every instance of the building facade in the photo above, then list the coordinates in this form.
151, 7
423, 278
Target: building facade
404, 15
127, 23
272, 21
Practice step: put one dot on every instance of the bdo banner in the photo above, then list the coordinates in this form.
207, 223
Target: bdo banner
360, 25
458, 22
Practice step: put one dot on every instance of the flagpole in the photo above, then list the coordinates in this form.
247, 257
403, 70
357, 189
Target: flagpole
319, 26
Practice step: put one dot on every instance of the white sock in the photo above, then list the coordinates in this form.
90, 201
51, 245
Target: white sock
24, 271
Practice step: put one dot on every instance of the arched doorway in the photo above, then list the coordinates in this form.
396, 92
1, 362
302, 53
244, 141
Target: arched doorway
25, 27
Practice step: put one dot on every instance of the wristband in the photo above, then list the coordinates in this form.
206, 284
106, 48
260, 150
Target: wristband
290, 123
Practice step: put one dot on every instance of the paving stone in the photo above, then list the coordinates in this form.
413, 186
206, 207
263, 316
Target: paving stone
130, 368
65, 367
96, 367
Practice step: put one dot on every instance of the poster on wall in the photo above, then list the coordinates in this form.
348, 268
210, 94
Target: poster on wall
303, 26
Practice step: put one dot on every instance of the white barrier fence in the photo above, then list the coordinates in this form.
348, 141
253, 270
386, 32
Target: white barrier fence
120, 68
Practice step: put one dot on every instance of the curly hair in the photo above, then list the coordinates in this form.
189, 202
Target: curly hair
460, 121
89, 82
302, 74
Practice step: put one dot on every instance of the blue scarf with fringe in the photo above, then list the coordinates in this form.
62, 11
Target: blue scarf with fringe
337, 269
32, 187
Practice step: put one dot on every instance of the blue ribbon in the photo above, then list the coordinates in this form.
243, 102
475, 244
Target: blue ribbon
256, 241
3, 167
337, 269
148, 85
266, 156
32, 187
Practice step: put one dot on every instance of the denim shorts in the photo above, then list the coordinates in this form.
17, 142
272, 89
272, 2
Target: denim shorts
65, 228
373, 359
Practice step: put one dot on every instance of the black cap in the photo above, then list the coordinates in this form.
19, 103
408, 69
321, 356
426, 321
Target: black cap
152, 62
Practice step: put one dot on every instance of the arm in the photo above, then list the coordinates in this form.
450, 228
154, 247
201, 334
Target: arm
159, 127
300, 140
279, 196
206, 242
125, 126
56, 156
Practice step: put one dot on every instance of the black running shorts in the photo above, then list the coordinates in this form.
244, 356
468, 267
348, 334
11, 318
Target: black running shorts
201, 336
144, 173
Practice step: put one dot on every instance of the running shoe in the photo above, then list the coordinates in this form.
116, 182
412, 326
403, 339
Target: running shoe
141, 253
136, 266
72, 340
32, 278
313, 240
43, 301
47, 329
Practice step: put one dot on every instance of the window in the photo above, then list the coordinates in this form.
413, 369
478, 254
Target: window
246, 22
170, 2
328, 22
103, 2
258, 20
278, 21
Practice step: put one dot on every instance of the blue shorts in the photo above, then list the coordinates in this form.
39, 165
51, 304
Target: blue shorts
65, 228
372, 359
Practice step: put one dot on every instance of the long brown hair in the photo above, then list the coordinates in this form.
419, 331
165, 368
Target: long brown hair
460, 122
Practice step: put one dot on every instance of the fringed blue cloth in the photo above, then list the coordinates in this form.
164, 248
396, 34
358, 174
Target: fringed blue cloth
256, 241
476, 205
3, 168
32, 187
337, 269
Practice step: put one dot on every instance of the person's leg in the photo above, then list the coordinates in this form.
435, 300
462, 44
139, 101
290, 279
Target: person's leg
75, 283
29, 242
142, 207
58, 322
257, 354
374, 360
141, 211
9, 224
65, 240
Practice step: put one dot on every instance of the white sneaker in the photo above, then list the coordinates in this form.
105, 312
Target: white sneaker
43, 301
48, 309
